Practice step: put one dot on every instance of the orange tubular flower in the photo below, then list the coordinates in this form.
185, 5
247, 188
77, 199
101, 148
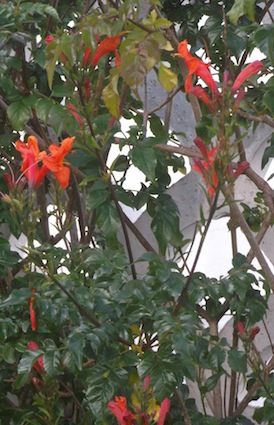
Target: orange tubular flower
39, 364
164, 409
108, 45
49, 39
196, 67
31, 157
251, 69
240, 328
87, 56
74, 112
254, 331
206, 167
55, 161
201, 94
32, 312
119, 409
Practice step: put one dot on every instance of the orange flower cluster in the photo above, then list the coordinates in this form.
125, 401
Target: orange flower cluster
155, 412
54, 161
199, 68
247, 334
108, 45
207, 166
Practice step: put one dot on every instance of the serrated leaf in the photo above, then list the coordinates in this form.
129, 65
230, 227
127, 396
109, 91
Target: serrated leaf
27, 361
161, 372
165, 223
235, 43
75, 345
61, 91
111, 97
8, 354
145, 159
98, 194
158, 129
162, 23
19, 114
264, 40
107, 218
17, 296
167, 77
268, 100
237, 360
211, 382
52, 362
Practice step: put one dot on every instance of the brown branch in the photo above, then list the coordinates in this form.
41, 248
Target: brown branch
168, 99
217, 393
125, 231
136, 232
241, 407
183, 408
184, 292
251, 239
263, 186
183, 150
266, 10
256, 118
260, 235
233, 379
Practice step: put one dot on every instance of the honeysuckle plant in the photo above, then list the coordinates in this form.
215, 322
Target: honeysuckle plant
93, 330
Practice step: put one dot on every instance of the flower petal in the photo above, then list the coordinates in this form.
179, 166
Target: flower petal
165, 406
248, 71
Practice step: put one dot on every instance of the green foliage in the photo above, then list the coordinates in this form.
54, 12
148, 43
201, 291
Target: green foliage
107, 304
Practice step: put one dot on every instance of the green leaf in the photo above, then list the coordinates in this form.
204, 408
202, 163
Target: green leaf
39, 8
19, 114
158, 129
16, 297
268, 100
167, 77
264, 40
75, 345
268, 153
52, 362
61, 91
7, 352
162, 373
98, 194
27, 361
237, 360
107, 218
145, 159
211, 382
241, 8
53, 52
165, 223
235, 43
111, 96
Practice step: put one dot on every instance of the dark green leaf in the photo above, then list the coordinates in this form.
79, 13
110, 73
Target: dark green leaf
98, 194
145, 159
75, 345
264, 40
237, 360
18, 114
52, 362
17, 296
